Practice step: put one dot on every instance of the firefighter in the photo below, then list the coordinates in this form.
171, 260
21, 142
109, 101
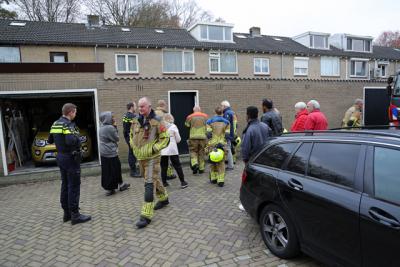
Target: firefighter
127, 122
160, 111
197, 139
216, 146
147, 138
66, 137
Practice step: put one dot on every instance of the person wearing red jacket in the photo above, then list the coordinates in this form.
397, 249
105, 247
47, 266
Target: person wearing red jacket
300, 117
316, 120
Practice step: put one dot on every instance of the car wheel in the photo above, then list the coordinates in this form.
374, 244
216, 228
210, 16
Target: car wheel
278, 232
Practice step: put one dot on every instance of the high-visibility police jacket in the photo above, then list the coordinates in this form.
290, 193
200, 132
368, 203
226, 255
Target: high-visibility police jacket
126, 123
148, 136
197, 124
217, 125
65, 135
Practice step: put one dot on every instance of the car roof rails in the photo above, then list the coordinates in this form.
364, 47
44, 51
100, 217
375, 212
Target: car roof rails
356, 130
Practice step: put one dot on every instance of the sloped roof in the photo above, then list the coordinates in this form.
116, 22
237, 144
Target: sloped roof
78, 34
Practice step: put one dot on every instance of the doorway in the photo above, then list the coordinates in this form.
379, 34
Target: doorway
181, 105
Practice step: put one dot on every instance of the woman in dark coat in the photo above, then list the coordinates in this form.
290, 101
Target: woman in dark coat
111, 178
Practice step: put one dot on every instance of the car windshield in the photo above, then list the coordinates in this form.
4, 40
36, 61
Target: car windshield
396, 90
45, 124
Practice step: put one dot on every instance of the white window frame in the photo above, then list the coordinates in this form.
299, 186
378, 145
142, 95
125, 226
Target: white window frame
326, 42
335, 74
261, 72
364, 40
183, 60
366, 67
386, 63
223, 34
127, 71
219, 62
294, 66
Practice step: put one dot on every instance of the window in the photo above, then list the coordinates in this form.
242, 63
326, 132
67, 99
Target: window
261, 66
9, 54
215, 33
299, 160
276, 155
178, 61
126, 63
382, 69
330, 66
358, 68
318, 41
386, 177
301, 66
58, 57
334, 163
223, 62
358, 45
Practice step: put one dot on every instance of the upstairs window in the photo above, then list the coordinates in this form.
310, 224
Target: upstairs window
261, 66
58, 57
382, 69
178, 61
9, 54
215, 33
358, 68
301, 66
330, 66
223, 62
126, 63
318, 41
358, 45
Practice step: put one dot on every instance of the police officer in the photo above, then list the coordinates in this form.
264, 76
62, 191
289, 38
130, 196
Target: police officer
66, 137
127, 122
148, 137
197, 139
216, 146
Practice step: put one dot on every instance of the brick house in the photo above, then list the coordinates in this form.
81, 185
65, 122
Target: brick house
43, 65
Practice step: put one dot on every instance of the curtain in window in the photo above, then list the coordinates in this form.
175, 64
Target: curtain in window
121, 63
188, 59
228, 62
9, 54
172, 61
329, 66
214, 64
132, 63
300, 66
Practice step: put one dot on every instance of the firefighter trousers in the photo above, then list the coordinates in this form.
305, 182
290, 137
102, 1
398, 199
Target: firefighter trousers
197, 152
150, 168
217, 172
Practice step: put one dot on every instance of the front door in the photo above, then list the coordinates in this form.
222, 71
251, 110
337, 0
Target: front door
181, 105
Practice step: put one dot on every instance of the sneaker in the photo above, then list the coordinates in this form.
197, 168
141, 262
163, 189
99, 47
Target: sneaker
124, 186
110, 192
184, 184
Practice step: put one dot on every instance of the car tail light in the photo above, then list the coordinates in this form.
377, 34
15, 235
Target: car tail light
244, 176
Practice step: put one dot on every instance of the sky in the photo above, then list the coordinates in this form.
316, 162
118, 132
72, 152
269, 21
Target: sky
290, 17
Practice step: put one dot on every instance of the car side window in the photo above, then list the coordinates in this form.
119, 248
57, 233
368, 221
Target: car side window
299, 160
275, 155
334, 162
386, 174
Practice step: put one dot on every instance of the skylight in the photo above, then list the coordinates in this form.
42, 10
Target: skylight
125, 29
240, 36
277, 39
159, 31
18, 23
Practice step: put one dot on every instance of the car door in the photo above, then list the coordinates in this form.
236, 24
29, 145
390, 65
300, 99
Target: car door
319, 187
380, 208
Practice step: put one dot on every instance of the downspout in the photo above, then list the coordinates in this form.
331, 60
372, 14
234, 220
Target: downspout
347, 71
282, 66
95, 53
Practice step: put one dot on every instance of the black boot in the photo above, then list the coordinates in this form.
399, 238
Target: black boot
201, 171
143, 222
67, 216
161, 204
221, 184
76, 218
123, 186
195, 168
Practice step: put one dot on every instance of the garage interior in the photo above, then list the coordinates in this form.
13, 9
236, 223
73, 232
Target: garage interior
26, 120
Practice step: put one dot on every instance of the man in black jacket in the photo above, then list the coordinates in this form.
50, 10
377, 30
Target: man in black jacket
272, 118
127, 122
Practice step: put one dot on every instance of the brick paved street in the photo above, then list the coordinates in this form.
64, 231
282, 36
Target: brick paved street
202, 226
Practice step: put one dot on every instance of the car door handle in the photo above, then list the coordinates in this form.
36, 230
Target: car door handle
376, 215
295, 184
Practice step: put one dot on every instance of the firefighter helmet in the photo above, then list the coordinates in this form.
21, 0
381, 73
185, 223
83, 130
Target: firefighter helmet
216, 155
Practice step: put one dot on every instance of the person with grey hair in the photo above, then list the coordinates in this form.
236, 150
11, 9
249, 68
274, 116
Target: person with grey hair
300, 117
230, 116
353, 111
316, 120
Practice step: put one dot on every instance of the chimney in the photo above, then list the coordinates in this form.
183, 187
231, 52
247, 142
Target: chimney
93, 21
255, 32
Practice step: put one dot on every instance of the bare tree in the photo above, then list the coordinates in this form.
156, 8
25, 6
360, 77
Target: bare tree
188, 12
49, 10
5, 13
389, 38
